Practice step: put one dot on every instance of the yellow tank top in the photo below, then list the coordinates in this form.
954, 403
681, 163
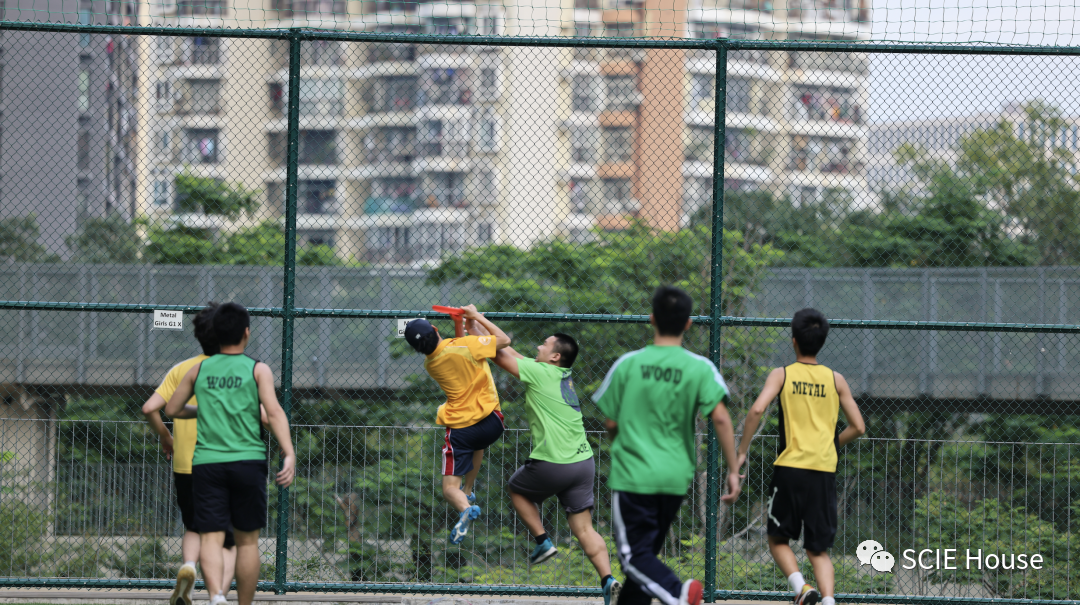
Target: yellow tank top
809, 408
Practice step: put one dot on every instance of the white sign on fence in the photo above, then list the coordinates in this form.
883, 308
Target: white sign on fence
401, 327
168, 320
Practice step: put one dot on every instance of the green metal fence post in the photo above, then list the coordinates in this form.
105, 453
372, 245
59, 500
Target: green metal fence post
288, 303
716, 311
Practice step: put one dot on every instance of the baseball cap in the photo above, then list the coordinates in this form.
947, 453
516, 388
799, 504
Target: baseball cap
417, 329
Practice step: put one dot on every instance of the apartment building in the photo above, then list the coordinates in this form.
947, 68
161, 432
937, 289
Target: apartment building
409, 152
795, 120
67, 120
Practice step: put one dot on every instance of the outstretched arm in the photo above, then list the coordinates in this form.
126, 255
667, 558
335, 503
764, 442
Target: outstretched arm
501, 339
725, 432
772, 387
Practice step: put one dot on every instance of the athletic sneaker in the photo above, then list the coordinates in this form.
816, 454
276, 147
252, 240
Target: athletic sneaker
543, 552
692, 593
461, 528
185, 585
611, 591
219, 599
808, 596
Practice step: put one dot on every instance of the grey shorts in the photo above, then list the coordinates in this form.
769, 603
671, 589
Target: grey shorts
572, 483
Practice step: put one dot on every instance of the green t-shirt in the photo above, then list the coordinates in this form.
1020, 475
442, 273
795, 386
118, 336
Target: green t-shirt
229, 425
655, 394
554, 414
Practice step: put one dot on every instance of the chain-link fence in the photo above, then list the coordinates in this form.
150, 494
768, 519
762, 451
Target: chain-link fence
335, 182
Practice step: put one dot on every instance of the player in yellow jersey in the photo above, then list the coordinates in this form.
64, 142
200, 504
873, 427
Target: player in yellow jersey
471, 414
802, 496
181, 448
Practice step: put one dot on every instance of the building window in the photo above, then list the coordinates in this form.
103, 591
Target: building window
161, 194
585, 93
393, 51
701, 88
396, 144
445, 189
697, 193
396, 93
583, 140
445, 87
621, 92
163, 95
316, 197
699, 146
389, 244
189, 8
487, 133
449, 26
201, 146
84, 87
833, 156
163, 142
825, 103
489, 83
202, 51
487, 188
443, 138
318, 147
584, 197
202, 97
82, 155
164, 49
392, 195
618, 144
321, 97
320, 52
620, 30
738, 96
733, 31
617, 195
435, 239
485, 233
298, 9
743, 146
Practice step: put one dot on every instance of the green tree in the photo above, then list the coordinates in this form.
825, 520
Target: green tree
108, 239
214, 197
264, 244
19, 241
180, 245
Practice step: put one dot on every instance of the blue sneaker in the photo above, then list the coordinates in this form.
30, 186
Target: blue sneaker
611, 591
471, 498
543, 552
461, 528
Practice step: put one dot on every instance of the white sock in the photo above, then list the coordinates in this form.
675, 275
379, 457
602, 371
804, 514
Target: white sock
797, 582
828, 601
191, 563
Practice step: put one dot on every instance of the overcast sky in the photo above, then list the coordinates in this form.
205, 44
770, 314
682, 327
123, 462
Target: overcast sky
922, 86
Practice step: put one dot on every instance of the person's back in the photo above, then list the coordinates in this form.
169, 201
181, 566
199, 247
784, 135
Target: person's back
229, 424
652, 399
658, 394
809, 409
460, 367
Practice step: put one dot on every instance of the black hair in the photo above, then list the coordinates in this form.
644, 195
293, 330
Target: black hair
426, 344
566, 347
204, 329
809, 328
671, 309
230, 320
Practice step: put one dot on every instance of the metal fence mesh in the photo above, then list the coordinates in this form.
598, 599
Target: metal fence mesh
335, 183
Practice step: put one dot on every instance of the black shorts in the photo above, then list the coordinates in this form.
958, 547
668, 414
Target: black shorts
186, 501
461, 443
803, 500
573, 483
230, 493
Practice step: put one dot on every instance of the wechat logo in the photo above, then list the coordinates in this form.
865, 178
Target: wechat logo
872, 553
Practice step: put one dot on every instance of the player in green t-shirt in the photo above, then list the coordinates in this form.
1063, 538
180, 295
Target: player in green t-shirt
652, 398
561, 463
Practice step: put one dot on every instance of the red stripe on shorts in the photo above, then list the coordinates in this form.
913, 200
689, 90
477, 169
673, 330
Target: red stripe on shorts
448, 456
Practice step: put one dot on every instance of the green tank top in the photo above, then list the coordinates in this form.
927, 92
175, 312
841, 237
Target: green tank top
228, 399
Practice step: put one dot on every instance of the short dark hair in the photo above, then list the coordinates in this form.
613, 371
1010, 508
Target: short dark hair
809, 328
567, 348
230, 320
671, 309
204, 329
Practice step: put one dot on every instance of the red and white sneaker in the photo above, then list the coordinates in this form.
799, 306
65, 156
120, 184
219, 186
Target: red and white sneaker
808, 596
692, 593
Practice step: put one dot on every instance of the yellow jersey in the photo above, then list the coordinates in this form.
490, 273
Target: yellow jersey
460, 367
184, 429
809, 409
